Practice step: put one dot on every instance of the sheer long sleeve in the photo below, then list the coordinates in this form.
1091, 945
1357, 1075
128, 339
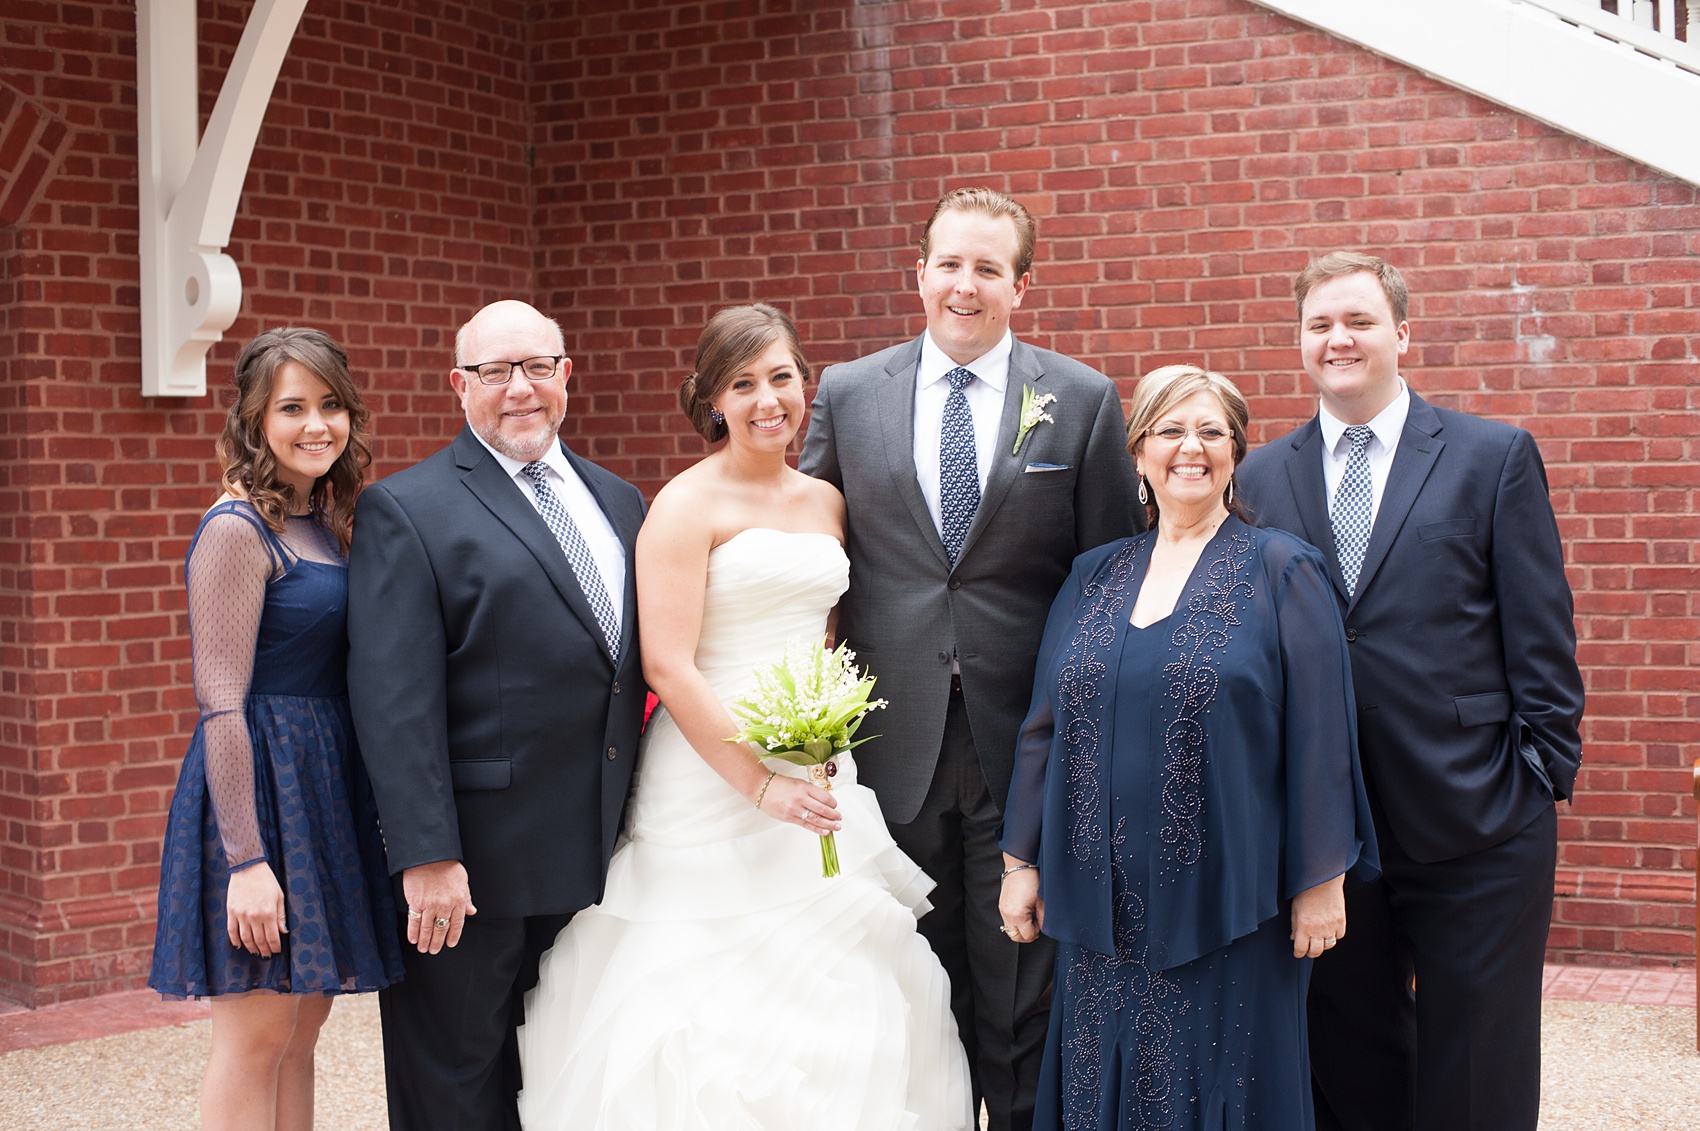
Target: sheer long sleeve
227, 575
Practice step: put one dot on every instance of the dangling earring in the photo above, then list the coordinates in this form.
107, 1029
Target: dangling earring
1144, 496
714, 415
1230, 492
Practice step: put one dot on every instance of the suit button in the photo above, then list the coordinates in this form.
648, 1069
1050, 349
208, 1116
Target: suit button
1351, 635
944, 657
611, 753
956, 583
616, 687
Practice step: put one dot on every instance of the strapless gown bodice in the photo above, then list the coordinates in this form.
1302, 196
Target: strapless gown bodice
765, 588
693, 995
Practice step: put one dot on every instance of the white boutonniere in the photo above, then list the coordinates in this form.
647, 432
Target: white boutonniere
1032, 415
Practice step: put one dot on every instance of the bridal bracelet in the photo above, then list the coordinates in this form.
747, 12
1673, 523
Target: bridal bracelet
763, 791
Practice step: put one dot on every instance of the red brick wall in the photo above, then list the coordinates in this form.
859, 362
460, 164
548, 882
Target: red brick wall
634, 166
388, 198
1185, 159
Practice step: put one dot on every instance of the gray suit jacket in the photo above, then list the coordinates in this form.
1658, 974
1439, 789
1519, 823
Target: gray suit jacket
1070, 489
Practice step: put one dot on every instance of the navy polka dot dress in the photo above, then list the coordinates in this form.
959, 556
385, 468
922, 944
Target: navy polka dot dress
272, 774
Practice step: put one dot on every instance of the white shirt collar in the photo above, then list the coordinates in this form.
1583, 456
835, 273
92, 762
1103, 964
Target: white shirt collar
1387, 424
555, 459
991, 367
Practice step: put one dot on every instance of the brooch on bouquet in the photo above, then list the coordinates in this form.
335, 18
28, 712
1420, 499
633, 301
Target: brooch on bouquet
805, 708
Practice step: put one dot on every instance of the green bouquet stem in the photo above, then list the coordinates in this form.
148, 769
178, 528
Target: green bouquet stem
821, 776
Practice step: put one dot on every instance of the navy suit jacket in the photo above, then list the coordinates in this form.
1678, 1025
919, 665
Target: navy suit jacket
1461, 634
495, 725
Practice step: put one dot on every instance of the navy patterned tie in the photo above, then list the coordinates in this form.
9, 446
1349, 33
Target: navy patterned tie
561, 525
1351, 511
959, 465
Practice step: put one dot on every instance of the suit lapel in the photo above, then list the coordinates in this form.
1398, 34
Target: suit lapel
1310, 496
1000, 477
896, 397
626, 519
1419, 447
492, 485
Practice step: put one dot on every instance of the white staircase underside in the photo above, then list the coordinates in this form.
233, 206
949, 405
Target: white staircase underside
1636, 93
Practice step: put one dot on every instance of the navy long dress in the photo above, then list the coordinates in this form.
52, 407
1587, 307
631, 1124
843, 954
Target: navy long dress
1178, 785
272, 774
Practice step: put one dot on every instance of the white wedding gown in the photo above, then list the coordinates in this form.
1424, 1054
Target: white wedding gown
722, 983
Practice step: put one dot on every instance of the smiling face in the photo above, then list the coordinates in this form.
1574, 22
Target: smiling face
968, 283
1188, 475
763, 402
306, 427
518, 419
1351, 346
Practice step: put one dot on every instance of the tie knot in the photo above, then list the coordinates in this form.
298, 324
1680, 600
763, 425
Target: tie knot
958, 379
1359, 435
537, 471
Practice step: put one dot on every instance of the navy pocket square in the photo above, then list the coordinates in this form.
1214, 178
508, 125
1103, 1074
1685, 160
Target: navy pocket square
1036, 467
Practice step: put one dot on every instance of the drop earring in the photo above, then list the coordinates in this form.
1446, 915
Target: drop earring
714, 415
1144, 495
1230, 493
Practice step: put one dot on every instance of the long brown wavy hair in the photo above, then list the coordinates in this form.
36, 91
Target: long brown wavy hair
250, 469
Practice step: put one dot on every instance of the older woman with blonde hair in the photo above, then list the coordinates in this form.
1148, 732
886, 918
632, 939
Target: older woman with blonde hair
1187, 801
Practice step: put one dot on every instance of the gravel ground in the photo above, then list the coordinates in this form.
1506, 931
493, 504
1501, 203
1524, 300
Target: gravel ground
1608, 1067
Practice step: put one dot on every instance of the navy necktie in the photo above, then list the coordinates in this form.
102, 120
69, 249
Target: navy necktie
1351, 514
959, 466
566, 532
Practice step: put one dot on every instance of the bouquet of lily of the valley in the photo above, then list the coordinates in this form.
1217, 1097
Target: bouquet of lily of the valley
805, 708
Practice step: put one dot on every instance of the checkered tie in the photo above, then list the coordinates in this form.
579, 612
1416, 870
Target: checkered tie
1351, 511
959, 466
561, 525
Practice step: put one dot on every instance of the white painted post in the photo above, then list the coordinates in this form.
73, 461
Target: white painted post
191, 290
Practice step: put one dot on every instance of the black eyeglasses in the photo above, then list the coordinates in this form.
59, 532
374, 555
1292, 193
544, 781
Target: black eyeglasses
501, 372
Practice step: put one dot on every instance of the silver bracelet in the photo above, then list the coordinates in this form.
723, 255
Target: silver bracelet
1008, 872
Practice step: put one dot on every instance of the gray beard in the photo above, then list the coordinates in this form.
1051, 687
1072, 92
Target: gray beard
504, 444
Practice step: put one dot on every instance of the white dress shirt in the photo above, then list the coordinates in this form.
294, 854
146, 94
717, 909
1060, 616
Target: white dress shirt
985, 403
598, 533
1387, 425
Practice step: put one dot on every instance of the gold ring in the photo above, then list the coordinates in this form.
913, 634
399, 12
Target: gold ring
441, 923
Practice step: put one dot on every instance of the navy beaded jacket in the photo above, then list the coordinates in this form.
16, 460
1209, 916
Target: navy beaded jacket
1250, 751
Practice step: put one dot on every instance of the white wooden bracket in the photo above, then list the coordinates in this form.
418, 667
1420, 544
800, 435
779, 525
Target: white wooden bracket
191, 290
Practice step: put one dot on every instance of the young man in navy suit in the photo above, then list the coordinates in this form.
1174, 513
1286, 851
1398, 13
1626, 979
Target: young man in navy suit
1450, 574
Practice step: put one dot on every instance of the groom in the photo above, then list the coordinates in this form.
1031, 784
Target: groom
964, 515
497, 695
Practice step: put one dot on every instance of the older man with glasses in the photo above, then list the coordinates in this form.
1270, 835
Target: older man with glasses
497, 695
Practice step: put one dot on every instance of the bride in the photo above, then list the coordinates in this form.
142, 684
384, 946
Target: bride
722, 982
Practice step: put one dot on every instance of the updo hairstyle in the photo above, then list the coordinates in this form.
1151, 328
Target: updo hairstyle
733, 338
1161, 390
248, 467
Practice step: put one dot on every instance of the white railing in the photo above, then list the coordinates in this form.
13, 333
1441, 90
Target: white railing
1568, 63
1648, 26
1660, 15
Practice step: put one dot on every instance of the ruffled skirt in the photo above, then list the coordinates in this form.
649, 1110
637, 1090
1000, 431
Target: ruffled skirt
723, 984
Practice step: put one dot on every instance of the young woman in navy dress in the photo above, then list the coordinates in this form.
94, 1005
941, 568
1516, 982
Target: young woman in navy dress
274, 894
